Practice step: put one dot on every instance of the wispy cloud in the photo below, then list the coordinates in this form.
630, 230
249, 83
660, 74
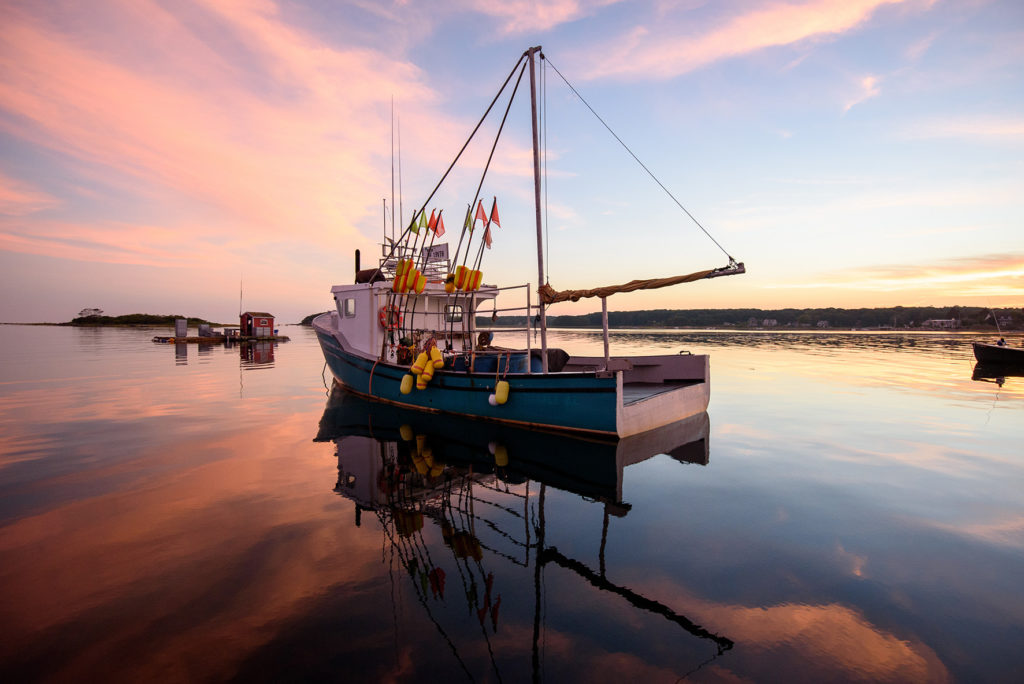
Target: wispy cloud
522, 16
227, 109
867, 88
993, 128
980, 275
673, 45
18, 198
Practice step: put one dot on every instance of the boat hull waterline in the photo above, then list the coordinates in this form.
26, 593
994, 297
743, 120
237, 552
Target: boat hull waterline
998, 354
584, 401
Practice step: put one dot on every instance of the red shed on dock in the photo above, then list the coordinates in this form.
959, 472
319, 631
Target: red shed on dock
256, 324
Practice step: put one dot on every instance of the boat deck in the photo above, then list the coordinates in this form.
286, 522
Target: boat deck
638, 391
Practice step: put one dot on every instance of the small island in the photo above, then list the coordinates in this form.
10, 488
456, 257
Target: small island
96, 317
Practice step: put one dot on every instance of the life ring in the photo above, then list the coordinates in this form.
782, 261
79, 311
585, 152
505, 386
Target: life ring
389, 317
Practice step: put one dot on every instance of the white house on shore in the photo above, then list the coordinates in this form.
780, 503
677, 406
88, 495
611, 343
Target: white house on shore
941, 323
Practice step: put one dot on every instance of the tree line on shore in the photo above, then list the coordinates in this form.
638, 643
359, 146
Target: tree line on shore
897, 317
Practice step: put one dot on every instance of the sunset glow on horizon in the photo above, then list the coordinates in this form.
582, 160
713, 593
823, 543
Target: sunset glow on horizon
159, 157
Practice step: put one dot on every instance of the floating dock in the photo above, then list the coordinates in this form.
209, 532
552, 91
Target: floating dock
219, 339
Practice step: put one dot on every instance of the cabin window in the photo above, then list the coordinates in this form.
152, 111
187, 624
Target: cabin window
350, 308
453, 313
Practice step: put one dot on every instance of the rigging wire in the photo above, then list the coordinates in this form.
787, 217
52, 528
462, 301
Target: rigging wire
487, 167
408, 230
642, 165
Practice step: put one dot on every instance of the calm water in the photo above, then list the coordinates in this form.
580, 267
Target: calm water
851, 508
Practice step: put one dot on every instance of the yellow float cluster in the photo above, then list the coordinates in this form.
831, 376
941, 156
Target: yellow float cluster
423, 368
465, 279
408, 278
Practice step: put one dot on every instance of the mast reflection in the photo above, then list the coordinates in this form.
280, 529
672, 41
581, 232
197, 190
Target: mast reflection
483, 487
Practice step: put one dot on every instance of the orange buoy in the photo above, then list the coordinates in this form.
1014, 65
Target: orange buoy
389, 317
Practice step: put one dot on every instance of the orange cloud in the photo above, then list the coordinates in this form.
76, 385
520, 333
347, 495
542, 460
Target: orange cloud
996, 275
665, 50
845, 643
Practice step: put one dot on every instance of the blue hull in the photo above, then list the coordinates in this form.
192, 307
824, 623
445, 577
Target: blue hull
562, 401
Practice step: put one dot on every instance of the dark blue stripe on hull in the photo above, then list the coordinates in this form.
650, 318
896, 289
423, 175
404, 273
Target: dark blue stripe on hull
571, 401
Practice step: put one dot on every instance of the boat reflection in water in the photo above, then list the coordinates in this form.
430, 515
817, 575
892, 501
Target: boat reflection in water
996, 372
482, 487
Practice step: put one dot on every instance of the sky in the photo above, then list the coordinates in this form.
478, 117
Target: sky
191, 156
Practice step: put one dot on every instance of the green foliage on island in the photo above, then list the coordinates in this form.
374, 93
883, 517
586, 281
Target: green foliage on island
136, 319
897, 317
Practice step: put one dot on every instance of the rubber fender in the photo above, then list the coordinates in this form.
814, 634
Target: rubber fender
501, 392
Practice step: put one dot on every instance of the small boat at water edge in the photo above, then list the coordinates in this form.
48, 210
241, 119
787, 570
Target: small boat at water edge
1001, 354
406, 332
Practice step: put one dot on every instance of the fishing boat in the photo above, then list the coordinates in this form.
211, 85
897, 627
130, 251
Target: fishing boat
1000, 354
406, 331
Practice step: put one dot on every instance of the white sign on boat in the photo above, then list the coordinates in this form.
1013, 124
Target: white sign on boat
437, 252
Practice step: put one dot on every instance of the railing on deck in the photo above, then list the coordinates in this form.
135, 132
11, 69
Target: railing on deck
527, 309
439, 324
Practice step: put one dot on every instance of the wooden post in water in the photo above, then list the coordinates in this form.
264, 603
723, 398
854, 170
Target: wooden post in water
536, 193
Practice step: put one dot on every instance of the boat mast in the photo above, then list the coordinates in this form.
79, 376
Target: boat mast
536, 191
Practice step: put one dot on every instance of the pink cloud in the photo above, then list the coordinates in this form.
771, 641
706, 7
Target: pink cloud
867, 89
18, 198
666, 49
263, 127
522, 16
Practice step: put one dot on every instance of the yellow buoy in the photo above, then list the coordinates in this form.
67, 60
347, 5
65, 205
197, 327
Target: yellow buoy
500, 455
435, 356
449, 283
425, 376
501, 392
420, 363
460, 277
421, 282
421, 443
407, 383
406, 430
422, 467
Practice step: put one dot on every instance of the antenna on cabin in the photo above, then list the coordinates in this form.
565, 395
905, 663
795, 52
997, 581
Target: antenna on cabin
401, 213
239, 295
392, 168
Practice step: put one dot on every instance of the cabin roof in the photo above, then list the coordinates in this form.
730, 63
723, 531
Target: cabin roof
261, 314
